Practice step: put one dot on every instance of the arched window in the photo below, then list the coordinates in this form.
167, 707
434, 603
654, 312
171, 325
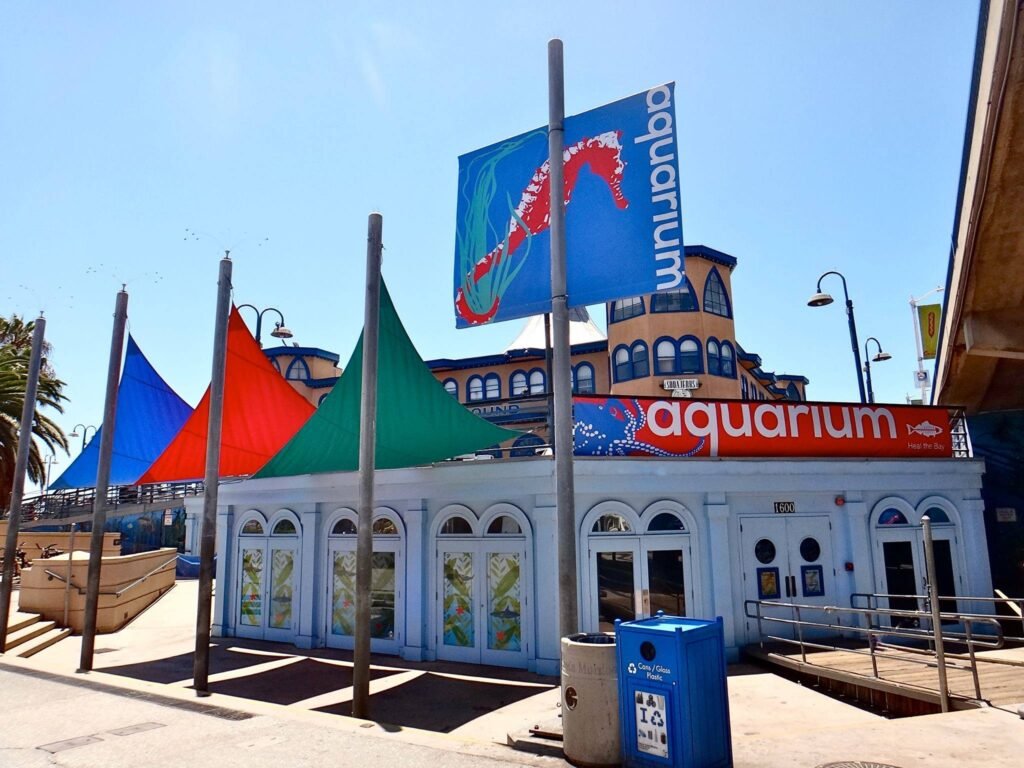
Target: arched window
492, 386
252, 528
526, 445
612, 523
284, 527
384, 527
728, 360
475, 388
504, 525
583, 379
297, 370
641, 363
682, 299
716, 300
665, 359
714, 357
323, 397
451, 386
538, 385
892, 517
517, 384
623, 309
622, 365
689, 356
664, 522
938, 516
456, 525
344, 527
744, 390
277, 365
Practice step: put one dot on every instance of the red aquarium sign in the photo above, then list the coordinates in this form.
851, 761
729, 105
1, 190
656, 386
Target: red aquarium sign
643, 426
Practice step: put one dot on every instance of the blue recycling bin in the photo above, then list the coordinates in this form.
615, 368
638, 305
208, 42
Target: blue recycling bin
673, 702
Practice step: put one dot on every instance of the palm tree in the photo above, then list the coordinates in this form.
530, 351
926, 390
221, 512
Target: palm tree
15, 351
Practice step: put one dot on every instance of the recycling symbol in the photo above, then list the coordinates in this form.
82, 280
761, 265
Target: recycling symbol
631, 668
656, 719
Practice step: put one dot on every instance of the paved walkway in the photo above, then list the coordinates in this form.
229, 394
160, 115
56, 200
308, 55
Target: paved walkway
274, 704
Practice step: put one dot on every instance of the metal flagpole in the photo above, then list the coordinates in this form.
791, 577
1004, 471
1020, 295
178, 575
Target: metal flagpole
933, 599
28, 412
99, 502
208, 537
568, 621
367, 445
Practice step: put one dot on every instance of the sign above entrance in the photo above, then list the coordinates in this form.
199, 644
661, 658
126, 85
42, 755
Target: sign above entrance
785, 507
609, 426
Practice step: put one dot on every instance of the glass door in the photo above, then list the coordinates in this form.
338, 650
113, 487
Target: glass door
385, 594
282, 614
252, 561
666, 583
482, 602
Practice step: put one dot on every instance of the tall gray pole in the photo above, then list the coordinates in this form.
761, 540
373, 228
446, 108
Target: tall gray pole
933, 599
208, 540
367, 458
99, 502
568, 619
28, 412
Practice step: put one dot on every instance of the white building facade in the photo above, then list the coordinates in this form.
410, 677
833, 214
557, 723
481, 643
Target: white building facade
465, 562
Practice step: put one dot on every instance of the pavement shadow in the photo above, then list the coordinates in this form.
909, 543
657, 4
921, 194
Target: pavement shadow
438, 703
176, 668
293, 682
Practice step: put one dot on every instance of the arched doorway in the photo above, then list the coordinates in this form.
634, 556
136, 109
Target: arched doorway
267, 576
482, 572
637, 565
387, 610
899, 553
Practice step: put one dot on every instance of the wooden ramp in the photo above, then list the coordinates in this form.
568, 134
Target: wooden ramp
904, 686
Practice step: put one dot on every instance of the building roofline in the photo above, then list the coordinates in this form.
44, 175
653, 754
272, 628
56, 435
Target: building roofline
323, 354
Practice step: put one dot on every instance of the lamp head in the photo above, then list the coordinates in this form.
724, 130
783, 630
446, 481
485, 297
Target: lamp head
280, 332
819, 300
881, 357
73, 433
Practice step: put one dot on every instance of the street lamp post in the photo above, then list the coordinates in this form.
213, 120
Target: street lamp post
48, 472
279, 332
85, 432
823, 299
879, 358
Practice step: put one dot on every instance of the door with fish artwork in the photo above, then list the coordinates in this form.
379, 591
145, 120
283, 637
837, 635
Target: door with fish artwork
482, 598
386, 581
267, 577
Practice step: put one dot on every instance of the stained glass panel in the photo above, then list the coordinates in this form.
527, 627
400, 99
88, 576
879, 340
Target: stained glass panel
458, 599
504, 602
282, 571
382, 596
343, 594
251, 600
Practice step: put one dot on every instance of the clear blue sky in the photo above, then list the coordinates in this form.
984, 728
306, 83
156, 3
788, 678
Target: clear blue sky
814, 136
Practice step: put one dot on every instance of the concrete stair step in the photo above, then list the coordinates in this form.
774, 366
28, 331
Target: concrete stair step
33, 630
20, 620
527, 741
42, 642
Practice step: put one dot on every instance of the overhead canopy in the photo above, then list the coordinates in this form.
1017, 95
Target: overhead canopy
582, 330
149, 415
417, 420
261, 411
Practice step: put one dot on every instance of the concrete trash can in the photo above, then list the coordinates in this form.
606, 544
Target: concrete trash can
590, 700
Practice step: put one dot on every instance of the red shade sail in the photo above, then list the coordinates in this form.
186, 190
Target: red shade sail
261, 413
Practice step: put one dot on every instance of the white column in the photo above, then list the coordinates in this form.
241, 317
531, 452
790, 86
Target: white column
310, 578
977, 580
719, 567
859, 527
225, 596
415, 598
544, 660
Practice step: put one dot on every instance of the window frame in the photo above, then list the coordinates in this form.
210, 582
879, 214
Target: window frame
713, 279
636, 301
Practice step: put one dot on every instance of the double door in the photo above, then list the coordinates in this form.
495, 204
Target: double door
482, 604
386, 606
633, 577
903, 571
267, 578
787, 559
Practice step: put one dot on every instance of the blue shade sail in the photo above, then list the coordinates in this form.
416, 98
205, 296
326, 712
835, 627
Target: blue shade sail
149, 415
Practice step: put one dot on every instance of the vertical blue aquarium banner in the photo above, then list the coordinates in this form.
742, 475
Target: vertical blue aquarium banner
624, 232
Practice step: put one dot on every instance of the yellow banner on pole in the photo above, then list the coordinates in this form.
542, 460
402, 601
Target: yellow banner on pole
928, 318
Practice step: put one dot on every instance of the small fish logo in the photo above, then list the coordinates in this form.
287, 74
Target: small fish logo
925, 428
506, 613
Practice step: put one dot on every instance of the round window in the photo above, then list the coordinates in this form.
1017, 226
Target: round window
810, 549
764, 551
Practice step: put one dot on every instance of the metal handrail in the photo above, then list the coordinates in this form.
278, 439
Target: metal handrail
116, 593
878, 637
1015, 604
60, 504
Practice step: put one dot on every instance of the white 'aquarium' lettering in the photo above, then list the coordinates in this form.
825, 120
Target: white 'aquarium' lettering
667, 233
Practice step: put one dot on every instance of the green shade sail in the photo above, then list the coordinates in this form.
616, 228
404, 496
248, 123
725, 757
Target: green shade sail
418, 422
